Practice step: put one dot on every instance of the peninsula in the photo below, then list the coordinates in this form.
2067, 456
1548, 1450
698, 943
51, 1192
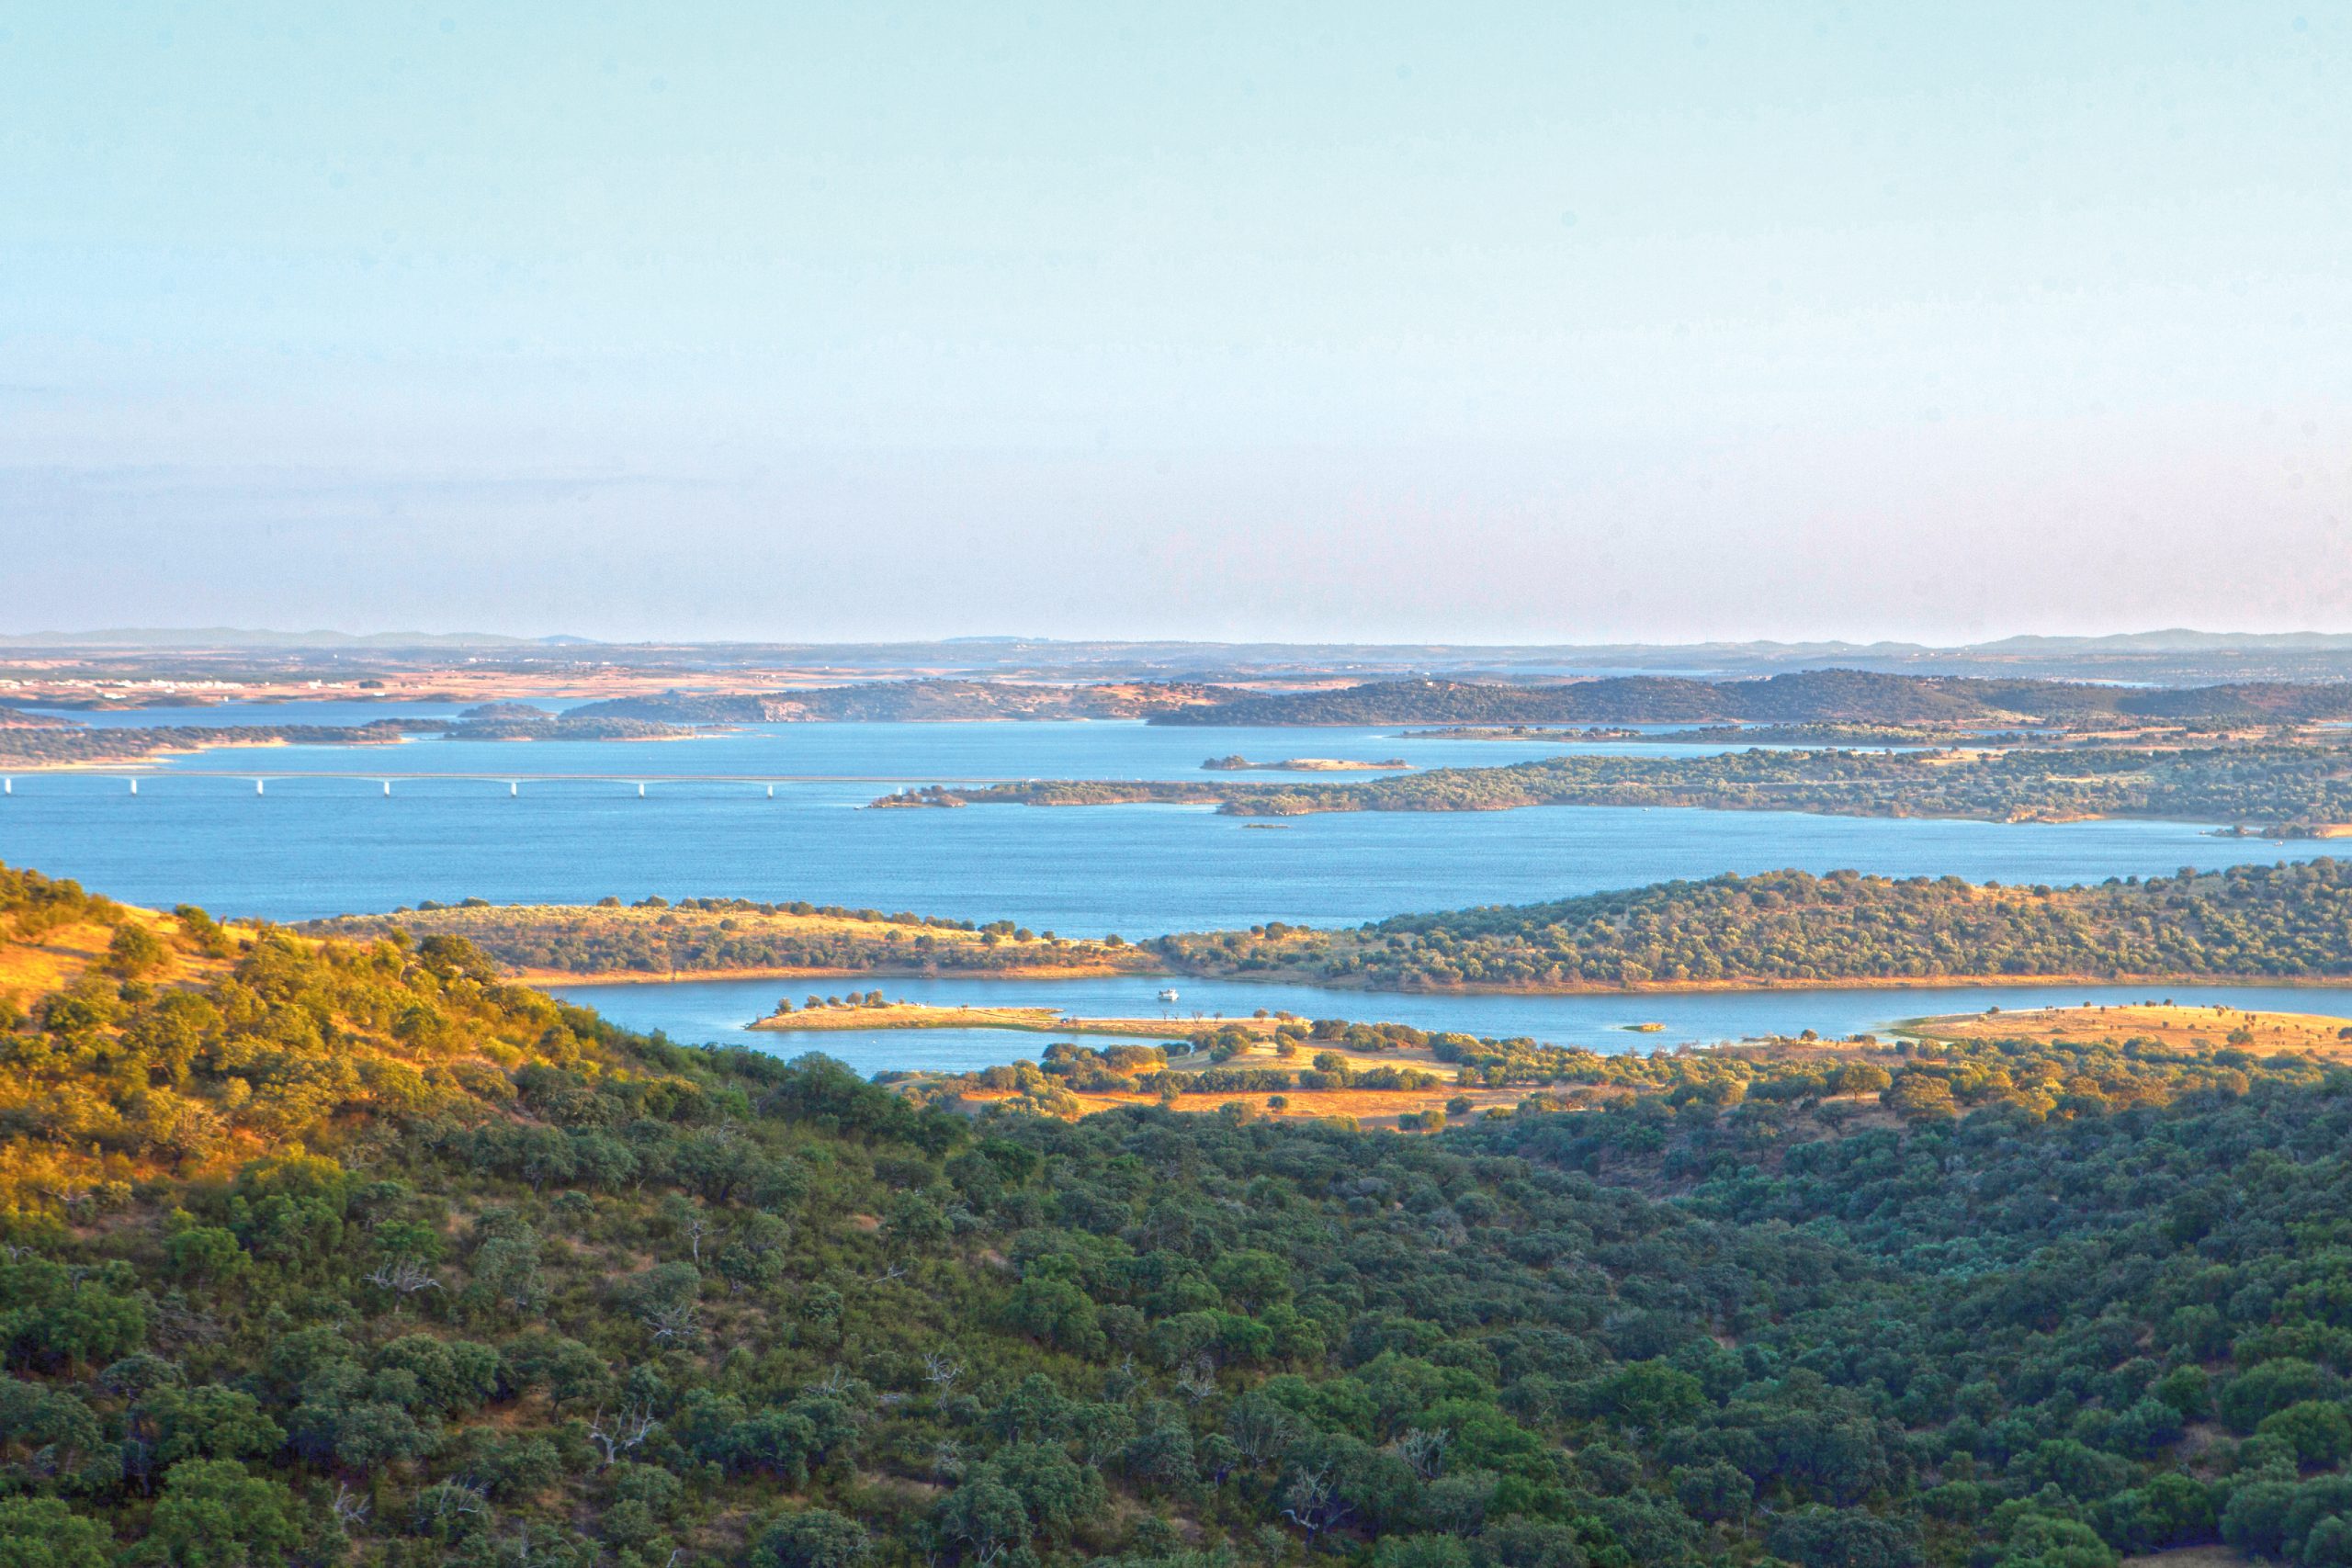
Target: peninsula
654, 939
33, 748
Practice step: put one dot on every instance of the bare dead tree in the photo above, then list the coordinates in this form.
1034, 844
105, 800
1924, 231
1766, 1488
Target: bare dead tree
1311, 1502
941, 1370
674, 1323
1198, 1380
404, 1277
451, 1499
1423, 1450
624, 1433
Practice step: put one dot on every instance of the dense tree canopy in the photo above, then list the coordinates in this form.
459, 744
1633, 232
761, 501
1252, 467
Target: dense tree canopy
2288, 920
446, 1273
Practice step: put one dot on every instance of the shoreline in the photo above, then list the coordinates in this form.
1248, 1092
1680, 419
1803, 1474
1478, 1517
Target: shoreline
1742, 988
1045, 1019
1011, 1019
774, 972
1352, 986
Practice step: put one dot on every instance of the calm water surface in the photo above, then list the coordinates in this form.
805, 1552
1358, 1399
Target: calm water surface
313, 846
715, 1011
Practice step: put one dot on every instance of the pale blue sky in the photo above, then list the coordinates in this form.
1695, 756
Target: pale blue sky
1543, 322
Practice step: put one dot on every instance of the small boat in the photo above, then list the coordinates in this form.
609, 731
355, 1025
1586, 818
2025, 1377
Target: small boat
1169, 995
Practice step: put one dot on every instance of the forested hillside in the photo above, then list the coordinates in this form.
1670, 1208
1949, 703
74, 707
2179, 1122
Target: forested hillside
2288, 921
348, 1253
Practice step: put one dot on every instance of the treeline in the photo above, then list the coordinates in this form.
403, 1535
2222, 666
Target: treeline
1801, 697
2292, 921
601, 1301
567, 726
2270, 785
700, 935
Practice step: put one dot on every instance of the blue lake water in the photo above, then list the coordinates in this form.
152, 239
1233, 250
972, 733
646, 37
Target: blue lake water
198, 831
715, 1011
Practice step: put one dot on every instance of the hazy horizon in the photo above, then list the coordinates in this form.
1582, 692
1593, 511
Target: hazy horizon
2166, 640
1519, 326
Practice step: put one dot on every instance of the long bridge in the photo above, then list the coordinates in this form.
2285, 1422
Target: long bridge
263, 777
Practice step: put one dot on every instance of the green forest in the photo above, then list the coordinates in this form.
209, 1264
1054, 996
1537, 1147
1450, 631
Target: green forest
2270, 785
349, 1253
2291, 921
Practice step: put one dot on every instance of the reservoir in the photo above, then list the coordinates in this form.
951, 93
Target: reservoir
578, 829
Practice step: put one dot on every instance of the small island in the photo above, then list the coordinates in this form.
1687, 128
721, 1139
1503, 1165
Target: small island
1236, 764
522, 721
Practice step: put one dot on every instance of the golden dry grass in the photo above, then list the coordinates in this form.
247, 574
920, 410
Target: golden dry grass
1369, 1107
2184, 1028
57, 958
1026, 1020
913, 1015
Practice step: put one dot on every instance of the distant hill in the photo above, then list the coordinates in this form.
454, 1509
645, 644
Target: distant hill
908, 700
243, 637
1835, 696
